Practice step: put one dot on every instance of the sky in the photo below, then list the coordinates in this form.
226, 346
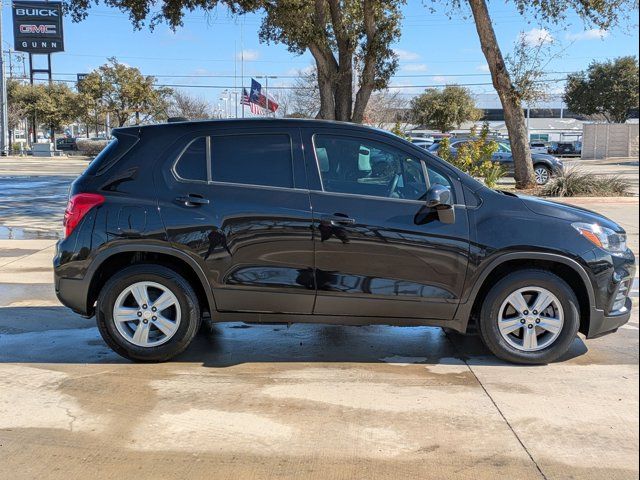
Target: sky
202, 56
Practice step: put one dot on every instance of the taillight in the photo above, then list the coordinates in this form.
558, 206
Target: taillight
78, 207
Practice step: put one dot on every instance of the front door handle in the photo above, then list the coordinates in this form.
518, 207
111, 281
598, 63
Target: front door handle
192, 200
337, 220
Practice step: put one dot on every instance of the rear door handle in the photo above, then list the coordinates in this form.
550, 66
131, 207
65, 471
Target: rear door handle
337, 220
192, 200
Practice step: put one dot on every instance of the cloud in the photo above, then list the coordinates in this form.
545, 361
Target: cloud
406, 55
297, 71
536, 37
483, 67
414, 67
248, 55
441, 79
593, 34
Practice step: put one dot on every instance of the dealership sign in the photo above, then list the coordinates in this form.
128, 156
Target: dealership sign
37, 27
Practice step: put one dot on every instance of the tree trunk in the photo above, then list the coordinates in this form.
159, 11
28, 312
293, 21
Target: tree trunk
344, 91
511, 105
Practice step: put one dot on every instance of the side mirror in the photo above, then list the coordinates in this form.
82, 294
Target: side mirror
439, 198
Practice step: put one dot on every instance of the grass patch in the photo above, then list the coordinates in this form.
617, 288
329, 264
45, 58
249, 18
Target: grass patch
576, 183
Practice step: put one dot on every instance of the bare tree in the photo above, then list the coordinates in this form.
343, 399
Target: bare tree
183, 104
303, 99
386, 108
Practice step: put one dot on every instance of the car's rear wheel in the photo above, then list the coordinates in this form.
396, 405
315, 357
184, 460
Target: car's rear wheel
542, 174
530, 316
148, 313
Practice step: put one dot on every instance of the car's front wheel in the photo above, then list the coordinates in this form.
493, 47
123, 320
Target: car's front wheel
542, 174
148, 313
529, 316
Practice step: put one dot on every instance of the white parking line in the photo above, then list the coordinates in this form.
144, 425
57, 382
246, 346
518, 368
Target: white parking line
629, 327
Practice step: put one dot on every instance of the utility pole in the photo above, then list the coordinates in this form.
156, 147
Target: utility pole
4, 133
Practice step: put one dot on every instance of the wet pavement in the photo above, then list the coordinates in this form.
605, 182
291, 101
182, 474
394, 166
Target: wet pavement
309, 401
32, 207
33, 195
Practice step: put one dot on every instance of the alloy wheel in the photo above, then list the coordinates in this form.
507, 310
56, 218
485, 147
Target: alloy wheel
531, 319
542, 175
147, 314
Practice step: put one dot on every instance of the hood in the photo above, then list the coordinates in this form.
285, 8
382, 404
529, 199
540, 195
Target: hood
545, 156
570, 213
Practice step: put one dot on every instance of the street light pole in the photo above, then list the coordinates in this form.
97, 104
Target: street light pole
4, 130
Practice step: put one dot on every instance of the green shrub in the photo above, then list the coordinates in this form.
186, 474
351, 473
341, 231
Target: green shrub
576, 183
475, 157
493, 173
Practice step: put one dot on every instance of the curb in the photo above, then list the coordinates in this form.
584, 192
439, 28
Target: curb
606, 200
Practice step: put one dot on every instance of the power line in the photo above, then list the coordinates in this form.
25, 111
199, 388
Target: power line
293, 87
423, 75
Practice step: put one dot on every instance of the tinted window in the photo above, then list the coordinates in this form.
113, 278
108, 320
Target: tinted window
192, 164
252, 159
116, 149
364, 167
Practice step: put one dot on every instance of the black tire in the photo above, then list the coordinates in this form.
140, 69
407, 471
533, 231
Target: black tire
488, 324
548, 171
187, 299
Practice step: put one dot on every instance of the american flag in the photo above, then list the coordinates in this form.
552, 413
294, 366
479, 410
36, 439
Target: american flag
254, 107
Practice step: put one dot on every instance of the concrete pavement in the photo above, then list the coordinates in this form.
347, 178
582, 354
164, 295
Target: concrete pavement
310, 401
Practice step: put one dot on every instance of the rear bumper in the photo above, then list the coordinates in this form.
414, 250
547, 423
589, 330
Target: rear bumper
602, 324
72, 293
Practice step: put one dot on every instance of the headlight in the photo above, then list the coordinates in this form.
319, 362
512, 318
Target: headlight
603, 237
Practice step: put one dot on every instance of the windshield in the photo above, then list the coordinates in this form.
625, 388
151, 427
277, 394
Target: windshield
505, 147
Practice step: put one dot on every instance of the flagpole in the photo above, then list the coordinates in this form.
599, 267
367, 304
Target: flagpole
266, 91
242, 63
235, 77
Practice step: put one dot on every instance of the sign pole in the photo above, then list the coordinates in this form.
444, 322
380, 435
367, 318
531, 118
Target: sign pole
4, 134
38, 30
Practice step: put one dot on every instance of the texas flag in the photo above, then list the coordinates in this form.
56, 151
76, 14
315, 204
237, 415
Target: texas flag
256, 96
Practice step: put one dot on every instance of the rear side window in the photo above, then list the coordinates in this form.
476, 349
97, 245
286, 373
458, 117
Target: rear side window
254, 159
192, 164
117, 148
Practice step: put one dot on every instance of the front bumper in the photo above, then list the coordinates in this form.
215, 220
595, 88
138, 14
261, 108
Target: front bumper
601, 324
557, 169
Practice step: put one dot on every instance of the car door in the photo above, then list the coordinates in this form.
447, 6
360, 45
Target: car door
237, 200
380, 252
504, 156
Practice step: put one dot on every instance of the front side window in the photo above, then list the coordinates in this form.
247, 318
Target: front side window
192, 164
252, 159
366, 167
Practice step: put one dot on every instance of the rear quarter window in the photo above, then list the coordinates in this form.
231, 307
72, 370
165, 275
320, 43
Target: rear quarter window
192, 163
116, 149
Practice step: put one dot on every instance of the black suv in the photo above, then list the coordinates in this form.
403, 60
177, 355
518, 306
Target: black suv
314, 221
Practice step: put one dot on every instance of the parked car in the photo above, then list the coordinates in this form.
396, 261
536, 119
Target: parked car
312, 221
66, 143
565, 148
538, 147
545, 166
422, 143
